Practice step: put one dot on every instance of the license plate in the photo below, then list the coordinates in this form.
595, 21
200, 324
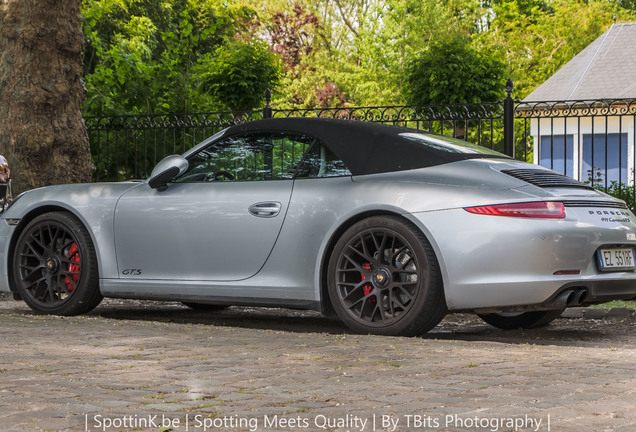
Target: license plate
616, 259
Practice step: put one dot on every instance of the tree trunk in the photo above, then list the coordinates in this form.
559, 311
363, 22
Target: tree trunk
41, 130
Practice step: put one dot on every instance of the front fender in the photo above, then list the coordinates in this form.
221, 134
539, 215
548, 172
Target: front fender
92, 204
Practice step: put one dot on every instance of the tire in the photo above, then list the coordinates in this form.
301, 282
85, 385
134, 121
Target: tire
204, 306
55, 266
526, 320
383, 278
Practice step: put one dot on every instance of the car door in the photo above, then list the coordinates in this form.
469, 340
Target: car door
219, 220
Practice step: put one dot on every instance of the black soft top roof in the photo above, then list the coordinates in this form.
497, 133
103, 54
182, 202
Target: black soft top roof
365, 148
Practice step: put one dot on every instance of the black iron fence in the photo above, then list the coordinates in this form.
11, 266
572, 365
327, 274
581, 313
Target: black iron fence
592, 141
127, 147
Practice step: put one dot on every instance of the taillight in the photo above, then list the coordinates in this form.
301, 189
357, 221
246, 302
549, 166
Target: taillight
540, 209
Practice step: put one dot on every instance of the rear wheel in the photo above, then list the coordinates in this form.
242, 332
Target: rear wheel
55, 266
510, 321
384, 279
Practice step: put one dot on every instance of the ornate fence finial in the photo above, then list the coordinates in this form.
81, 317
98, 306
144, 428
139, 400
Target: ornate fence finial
267, 111
268, 97
509, 121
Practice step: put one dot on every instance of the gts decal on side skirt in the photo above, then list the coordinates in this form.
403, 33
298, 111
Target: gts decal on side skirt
131, 272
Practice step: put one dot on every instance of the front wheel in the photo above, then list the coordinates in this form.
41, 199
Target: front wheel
55, 266
526, 320
383, 278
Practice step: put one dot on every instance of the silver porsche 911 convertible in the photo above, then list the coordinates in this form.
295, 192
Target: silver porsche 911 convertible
387, 228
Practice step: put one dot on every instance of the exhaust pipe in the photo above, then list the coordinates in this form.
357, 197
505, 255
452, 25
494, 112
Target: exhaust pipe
577, 298
570, 298
561, 301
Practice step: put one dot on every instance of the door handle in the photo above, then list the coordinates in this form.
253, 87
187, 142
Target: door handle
265, 209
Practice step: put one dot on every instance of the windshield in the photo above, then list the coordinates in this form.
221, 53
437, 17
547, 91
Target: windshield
448, 144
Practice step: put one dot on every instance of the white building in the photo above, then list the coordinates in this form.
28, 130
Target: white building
593, 124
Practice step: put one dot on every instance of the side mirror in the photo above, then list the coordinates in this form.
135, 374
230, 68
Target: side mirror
166, 170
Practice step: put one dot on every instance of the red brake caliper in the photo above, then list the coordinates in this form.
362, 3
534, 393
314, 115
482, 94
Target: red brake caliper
73, 267
367, 288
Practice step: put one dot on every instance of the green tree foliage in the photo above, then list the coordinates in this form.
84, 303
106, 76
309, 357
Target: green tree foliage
292, 32
145, 56
628, 4
238, 74
149, 56
454, 71
361, 48
540, 36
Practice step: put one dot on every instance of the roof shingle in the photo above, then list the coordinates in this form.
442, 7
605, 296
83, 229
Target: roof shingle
605, 69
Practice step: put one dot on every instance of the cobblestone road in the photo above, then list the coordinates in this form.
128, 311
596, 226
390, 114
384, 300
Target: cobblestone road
156, 367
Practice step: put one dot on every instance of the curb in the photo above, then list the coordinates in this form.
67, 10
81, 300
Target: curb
600, 314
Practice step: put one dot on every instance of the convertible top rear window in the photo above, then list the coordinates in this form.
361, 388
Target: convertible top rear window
448, 144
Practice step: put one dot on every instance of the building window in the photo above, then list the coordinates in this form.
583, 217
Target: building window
556, 153
608, 162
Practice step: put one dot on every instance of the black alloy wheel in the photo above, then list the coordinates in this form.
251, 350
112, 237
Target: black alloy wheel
55, 266
384, 279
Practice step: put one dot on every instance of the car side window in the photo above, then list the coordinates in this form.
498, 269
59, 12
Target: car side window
249, 157
322, 162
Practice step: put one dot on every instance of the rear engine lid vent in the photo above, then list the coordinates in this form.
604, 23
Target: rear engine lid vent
545, 179
596, 204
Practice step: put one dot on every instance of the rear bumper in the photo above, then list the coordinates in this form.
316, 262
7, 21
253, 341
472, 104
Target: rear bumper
602, 291
511, 264
574, 295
